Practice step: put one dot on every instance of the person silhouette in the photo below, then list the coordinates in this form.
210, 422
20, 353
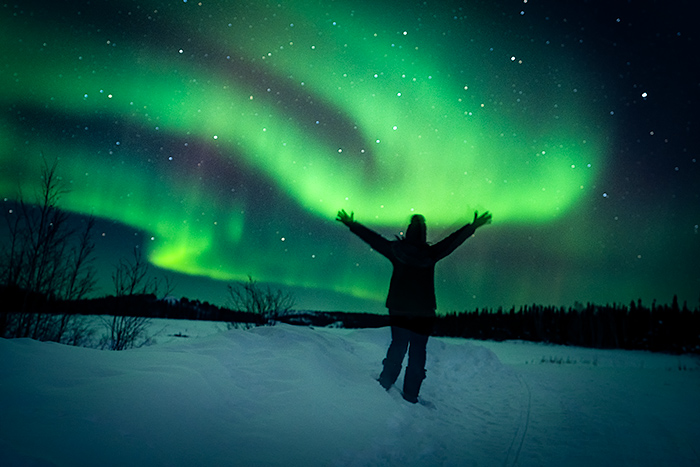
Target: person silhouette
411, 297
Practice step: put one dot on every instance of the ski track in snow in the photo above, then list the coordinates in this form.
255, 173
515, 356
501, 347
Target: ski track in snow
288, 395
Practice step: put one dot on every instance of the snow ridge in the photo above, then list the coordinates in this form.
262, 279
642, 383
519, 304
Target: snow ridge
287, 395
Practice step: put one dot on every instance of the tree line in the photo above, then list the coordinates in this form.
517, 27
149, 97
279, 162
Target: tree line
659, 328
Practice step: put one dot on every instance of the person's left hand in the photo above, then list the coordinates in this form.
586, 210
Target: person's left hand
345, 218
480, 220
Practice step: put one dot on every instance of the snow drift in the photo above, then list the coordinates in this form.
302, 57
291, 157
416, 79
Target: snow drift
289, 395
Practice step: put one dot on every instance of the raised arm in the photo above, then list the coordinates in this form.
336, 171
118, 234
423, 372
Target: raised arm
450, 243
376, 241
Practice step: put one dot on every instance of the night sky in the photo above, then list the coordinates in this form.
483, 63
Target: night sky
222, 137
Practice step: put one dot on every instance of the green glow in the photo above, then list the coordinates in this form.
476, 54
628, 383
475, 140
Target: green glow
438, 141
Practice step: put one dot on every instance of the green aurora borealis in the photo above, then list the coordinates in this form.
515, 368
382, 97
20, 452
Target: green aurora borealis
229, 134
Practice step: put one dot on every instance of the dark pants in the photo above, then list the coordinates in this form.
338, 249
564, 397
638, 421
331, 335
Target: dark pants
407, 334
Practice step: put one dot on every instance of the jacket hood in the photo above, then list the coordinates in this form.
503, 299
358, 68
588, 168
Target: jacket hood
416, 231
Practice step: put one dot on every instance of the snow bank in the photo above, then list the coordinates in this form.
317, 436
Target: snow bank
289, 395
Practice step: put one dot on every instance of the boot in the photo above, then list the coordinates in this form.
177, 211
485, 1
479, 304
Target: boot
389, 374
411, 384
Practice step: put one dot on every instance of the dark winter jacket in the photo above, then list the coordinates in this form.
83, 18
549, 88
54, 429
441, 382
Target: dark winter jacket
412, 287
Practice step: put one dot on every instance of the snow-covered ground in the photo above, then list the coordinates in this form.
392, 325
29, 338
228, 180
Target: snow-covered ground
296, 396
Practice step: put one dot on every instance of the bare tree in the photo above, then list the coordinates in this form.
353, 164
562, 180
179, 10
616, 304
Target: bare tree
262, 301
12, 253
46, 234
78, 280
124, 331
81, 271
41, 261
131, 277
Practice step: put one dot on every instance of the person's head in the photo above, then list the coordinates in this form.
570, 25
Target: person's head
416, 231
